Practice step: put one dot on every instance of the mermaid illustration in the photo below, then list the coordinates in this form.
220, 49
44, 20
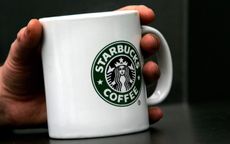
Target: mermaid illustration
121, 77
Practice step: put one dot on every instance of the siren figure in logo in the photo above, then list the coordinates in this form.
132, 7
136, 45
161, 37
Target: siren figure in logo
121, 76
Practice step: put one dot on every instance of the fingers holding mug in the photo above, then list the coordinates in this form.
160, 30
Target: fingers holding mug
150, 44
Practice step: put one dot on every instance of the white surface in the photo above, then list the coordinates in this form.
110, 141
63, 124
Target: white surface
70, 45
165, 64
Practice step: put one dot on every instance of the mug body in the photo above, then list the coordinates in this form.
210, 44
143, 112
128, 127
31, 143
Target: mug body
92, 72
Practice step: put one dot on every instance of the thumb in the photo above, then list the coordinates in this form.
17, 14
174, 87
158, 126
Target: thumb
26, 44
23, 64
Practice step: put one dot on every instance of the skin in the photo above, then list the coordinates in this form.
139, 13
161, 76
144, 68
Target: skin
22, 97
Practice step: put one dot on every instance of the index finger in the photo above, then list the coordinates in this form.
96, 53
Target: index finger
147, 15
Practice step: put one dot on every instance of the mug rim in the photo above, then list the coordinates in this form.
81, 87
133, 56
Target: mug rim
88, 15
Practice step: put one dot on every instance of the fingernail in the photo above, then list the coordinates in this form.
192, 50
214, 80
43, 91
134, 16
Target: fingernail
27, 30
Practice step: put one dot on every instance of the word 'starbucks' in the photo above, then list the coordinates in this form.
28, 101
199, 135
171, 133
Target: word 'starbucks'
116, 73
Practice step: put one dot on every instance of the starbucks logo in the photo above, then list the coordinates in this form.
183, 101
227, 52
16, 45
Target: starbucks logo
116, 74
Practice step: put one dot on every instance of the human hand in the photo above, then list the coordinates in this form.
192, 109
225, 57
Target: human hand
22, 101
150, 44
22, 96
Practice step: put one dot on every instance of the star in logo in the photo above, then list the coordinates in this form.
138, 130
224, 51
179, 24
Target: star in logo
138, 77
99, 82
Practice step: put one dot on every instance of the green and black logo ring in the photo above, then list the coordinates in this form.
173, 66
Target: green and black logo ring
116, 73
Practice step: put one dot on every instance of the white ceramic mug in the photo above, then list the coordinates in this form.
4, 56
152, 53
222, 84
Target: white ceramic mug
92, 67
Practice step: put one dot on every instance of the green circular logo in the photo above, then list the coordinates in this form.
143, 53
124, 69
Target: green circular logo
116, 73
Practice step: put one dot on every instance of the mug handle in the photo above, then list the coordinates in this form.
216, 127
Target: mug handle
165, 64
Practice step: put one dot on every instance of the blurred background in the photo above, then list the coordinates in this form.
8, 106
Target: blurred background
195, 30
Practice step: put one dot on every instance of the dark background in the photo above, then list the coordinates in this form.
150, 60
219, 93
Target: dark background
209, 50
195, 30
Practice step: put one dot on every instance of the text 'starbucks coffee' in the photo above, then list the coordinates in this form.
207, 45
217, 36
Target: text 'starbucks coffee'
92, 68
116, 73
